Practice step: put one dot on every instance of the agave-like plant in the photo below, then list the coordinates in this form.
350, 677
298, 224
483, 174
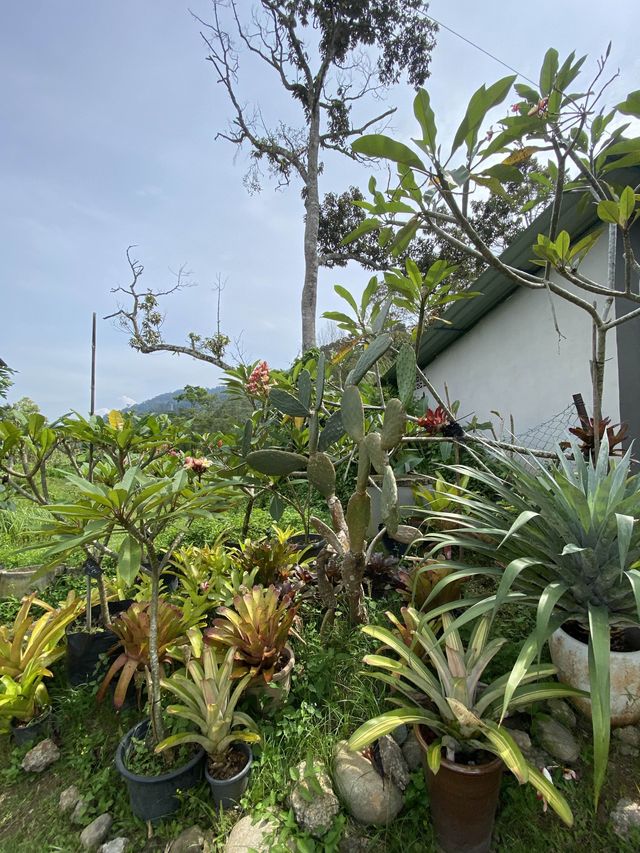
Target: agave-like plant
449, 699
257, 626
133, 629
566, 540
208, 697
24, 698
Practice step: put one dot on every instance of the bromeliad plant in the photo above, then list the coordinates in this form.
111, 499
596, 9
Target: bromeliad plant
440, 681
133, 628
257, 628
567, 540
208, 697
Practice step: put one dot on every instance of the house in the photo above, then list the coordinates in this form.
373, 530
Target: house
501, 351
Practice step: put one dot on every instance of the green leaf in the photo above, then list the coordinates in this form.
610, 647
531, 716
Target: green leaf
304, 389
276, 507
379, 145
548, 72
388, 722
434, 755
481, 102
608, 211
376, 349
627, 205
129, 557
364, 227
599, 684
287, 403
424, 113
631, 106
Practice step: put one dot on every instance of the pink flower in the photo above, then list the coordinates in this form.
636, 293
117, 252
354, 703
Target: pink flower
197, 464
515, 108
258, 382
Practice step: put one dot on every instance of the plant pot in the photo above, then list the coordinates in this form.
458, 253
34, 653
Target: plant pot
34, 730
312, 544
277, 691
227, 792
463, 801
14, 583
570, 656
85, 649
156, 797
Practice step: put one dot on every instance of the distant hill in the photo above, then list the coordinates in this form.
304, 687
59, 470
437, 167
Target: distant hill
164, 403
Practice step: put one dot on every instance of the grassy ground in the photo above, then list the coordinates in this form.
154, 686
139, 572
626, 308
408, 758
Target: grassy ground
330, 697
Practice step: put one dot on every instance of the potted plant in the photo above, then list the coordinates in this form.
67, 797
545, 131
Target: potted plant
27, 649
457, 723
567, 541
208, 697
257, 628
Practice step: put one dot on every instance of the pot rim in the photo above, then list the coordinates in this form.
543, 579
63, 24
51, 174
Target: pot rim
149, 780
463, 769
243, 747
581, 644
34, 721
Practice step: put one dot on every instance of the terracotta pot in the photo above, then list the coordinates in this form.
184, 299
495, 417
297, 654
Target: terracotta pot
278, 689
463, 801
570, 656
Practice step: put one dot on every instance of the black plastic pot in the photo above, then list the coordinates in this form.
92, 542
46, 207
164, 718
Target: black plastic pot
313, 543
463, 801
34, 730
156, 797
227, 792
85, 649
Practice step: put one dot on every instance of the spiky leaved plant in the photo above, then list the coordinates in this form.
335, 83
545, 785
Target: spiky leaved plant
440, 681
566, 538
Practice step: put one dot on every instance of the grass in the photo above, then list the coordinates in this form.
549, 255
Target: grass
330, 697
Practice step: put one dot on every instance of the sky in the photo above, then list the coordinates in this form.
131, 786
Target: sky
109, 113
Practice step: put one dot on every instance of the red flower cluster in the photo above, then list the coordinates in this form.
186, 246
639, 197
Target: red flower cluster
434, 421
258, 382
197, 464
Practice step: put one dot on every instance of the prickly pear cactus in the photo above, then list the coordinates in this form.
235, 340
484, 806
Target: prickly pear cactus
322, 474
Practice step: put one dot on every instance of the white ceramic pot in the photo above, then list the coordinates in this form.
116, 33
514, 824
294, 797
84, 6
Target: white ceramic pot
570, 656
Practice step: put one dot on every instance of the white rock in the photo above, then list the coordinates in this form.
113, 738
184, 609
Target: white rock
41, 756
368, 797
190, 840
314, 812
248, 835
625, 816
79, 813
412, 752
95, 833
117, 845
628, 734
68, 799
393, 762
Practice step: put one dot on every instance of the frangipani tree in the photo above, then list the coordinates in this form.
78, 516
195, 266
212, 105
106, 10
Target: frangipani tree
588, 153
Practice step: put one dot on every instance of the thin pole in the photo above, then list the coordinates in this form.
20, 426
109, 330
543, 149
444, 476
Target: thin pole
92, 410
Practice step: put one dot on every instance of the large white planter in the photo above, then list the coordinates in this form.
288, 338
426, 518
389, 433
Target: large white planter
18, 582
570, 656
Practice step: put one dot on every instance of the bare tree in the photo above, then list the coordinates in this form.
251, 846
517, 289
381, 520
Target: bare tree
320, 53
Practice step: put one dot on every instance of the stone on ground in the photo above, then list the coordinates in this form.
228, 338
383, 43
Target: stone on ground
117, 845
628, 734
96, 832
562, 712
68, 799
314, 810
556, 739
41, 756
522, 739
412, 752
371, 799
79, 813
393, 762
625, 816
251, 834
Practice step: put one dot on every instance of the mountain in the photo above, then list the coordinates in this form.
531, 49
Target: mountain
167, 402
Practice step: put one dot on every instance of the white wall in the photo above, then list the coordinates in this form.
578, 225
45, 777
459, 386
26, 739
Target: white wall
512, 361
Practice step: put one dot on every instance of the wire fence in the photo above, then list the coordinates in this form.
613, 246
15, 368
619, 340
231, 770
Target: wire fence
548, 434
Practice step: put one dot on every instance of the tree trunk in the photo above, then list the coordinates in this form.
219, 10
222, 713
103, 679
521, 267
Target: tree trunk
353, 566
155, 700
311, 226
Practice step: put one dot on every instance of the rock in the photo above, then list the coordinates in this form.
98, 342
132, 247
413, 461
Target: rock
95, 833
625, 816
628, 734
562, 712
393, 762
628, 750
191, 840
248, 835
400, 734
79, 814
558, 741
353, 842
412, 752
522, 739
41, 756
314, 811
118, 845
368, 797
68, 799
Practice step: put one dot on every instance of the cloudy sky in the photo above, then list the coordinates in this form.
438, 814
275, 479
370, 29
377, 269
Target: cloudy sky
109, 114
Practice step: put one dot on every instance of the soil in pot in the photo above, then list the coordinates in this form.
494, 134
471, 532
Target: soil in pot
463, 798
229, 778
154, 797
34, 730
85, 649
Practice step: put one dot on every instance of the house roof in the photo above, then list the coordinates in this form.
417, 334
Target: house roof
577, 217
